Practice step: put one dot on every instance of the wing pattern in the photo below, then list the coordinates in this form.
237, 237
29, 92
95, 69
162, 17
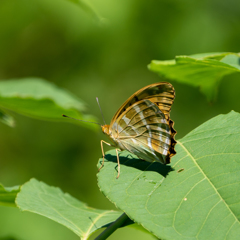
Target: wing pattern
162, 94
143, 130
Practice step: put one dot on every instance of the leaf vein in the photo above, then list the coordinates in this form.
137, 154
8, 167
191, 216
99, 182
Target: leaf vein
194, 160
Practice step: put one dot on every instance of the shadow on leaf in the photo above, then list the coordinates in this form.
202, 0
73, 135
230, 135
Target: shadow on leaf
139, 164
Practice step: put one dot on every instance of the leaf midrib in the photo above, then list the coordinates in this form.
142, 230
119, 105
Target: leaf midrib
86, 235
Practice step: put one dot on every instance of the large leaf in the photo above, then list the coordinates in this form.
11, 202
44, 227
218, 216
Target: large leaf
51, 202
40, 99
200, 70
197, 197
8, 195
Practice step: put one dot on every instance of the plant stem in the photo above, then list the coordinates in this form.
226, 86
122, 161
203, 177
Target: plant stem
112, 228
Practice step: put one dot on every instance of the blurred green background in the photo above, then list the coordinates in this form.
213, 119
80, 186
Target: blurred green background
58, 41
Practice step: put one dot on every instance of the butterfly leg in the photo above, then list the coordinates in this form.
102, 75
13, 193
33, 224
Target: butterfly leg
117, 150
103, 151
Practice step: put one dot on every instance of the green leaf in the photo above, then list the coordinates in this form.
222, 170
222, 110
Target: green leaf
7, 119
8, 195
51, 202
88, 9
37, 98
201, 70
197, 197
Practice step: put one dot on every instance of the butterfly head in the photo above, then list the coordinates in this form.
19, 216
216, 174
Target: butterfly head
105, 129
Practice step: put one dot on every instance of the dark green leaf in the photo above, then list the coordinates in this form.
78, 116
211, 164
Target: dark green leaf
8, 195
201, 70
196, 197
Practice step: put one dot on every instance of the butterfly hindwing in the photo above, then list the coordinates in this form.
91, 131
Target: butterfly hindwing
143, 130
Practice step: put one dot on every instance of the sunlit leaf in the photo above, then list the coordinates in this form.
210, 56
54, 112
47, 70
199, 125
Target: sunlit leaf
7, 119
201, 70
40, 99
201, 201
8, 195
51, 202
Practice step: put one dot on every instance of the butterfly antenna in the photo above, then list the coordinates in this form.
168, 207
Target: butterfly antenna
100, 110
81, 120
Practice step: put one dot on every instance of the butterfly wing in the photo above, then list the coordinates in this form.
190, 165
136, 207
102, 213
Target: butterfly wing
143, 130
162, 94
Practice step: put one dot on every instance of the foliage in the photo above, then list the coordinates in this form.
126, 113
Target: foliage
51, 202
40, 99
191, 198
70, 44
201, 201
201, 70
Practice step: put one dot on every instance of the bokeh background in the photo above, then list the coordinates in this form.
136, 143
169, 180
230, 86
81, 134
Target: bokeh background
58, 41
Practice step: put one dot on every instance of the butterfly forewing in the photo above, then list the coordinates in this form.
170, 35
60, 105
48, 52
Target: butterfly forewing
143, 130
162, 94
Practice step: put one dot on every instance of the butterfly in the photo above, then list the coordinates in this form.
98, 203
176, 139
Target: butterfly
142, 125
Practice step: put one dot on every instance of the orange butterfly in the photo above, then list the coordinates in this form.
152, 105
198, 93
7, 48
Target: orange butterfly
142, 125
